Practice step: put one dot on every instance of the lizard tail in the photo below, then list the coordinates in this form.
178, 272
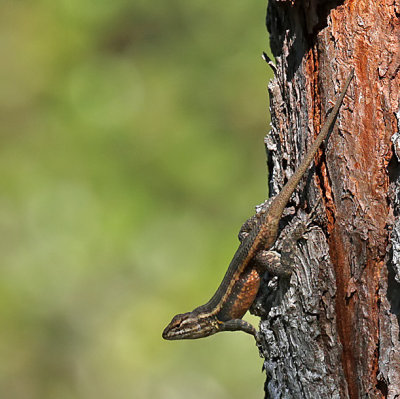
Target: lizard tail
280, 201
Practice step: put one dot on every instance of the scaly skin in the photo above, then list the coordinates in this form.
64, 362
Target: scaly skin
238, 289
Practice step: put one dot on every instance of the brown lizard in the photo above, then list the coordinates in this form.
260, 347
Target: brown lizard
238, 289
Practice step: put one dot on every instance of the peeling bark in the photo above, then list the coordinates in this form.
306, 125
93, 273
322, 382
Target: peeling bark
333, 331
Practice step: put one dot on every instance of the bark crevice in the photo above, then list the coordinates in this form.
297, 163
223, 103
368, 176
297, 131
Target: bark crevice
336, 323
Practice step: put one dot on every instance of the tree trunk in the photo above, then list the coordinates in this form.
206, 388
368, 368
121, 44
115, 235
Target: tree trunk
333, 330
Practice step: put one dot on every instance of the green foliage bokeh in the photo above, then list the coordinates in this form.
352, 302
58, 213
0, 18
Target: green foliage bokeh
131, 151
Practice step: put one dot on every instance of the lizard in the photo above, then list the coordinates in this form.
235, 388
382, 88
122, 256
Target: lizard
239, 287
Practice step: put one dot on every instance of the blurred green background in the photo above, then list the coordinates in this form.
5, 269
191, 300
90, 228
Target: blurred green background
131, 152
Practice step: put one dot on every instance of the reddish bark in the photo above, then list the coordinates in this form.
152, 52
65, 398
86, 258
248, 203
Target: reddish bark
315, 44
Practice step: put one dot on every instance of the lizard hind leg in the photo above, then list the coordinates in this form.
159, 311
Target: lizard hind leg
254, 221
279, 262
271, 262
248, 226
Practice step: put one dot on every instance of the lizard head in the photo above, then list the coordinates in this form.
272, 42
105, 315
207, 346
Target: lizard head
190, 326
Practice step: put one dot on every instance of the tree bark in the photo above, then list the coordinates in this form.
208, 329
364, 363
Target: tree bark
333, 330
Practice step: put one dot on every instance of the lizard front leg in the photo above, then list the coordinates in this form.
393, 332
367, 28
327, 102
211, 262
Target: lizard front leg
239, 325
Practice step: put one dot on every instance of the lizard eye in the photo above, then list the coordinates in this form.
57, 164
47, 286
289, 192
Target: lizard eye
179, 320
